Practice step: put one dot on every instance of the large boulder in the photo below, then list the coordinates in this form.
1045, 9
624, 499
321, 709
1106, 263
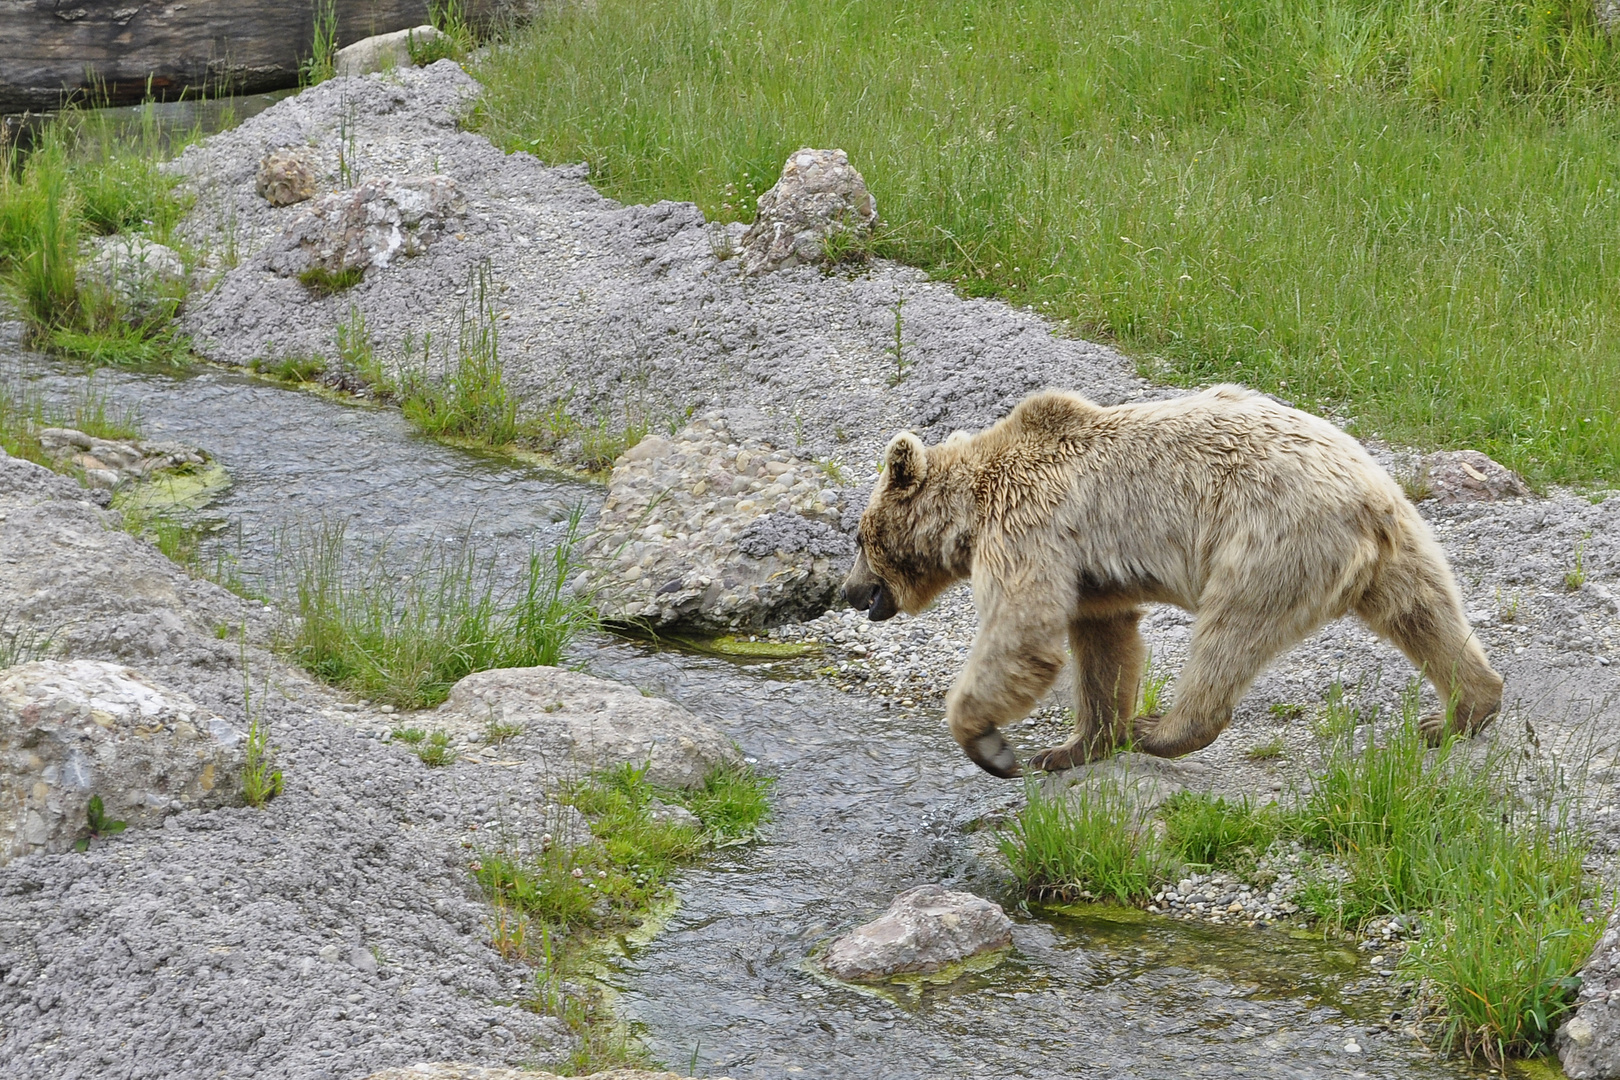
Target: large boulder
709, 533
71, 730
924, 930
383, 52
576, 724
146, 278
1589, 1043
818, 198
368, 226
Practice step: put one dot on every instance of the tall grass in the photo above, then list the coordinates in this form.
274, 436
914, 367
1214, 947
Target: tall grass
470, 400
1086, 844
406, 639
1399, 208
24, 412
85, 177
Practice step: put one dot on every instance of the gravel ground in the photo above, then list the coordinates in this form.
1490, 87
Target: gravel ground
335, 932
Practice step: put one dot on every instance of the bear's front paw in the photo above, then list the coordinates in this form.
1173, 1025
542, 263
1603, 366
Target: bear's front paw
991, 753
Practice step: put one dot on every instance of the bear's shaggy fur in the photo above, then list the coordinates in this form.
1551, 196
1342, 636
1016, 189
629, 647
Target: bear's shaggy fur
1263, 520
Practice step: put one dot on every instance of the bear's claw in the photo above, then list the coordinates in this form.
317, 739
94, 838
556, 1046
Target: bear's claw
991, 753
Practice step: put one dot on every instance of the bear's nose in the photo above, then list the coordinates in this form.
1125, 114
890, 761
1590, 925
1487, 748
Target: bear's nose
860, 595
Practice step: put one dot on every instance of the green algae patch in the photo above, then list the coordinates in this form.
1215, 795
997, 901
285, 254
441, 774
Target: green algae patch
190, 489
742, 649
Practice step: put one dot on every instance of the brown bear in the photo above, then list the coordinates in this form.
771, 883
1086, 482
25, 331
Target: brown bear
1261, 519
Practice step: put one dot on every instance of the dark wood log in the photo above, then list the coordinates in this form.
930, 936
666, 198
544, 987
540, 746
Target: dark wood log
55, 50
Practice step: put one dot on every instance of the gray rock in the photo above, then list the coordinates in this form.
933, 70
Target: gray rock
1589, 1043
368, 226
578, 723
143, 276
286, 177
819, 195
1140, 783
107, 463
709, 533
925, 929
72, 730
382, 52
659, 810
1455, 476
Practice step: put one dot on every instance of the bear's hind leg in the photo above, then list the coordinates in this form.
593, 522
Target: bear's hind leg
1232, 641
1108, 654
1415, 606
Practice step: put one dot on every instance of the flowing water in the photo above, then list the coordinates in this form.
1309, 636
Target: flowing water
869, 801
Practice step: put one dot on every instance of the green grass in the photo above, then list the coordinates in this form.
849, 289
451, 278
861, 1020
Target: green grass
86, 178
1210, 831
1455, 835
20, 642
405, 639
1442, 831
1398, 208
552, 902
613, 883
24, 411
1084, 845
470, 401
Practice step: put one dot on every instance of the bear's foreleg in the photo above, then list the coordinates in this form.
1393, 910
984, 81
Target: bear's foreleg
1108, 655
1013, 663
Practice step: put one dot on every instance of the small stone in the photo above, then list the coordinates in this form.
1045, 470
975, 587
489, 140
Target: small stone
286, 177
925, 929
383, 52
1455, 476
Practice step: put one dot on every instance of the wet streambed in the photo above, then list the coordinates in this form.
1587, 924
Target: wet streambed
870, 800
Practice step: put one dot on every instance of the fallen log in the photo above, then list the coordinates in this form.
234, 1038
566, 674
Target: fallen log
52, 51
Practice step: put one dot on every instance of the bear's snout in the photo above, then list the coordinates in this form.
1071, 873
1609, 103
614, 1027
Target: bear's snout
872, 597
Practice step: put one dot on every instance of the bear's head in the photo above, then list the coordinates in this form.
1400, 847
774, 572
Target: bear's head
914, 540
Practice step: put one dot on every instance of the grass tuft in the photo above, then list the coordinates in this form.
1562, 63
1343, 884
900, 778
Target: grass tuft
1083, 845
1210, 831
84, 178
471, 401
406, 639
323, 282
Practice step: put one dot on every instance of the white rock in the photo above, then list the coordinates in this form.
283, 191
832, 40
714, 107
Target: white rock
368, 226
819, 195
70, 730
576, 723
144, 276
925, 929
382, 52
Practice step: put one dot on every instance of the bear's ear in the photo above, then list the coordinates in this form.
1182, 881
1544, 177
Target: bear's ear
905, 463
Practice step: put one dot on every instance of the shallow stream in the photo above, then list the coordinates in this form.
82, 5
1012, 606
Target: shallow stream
870, 800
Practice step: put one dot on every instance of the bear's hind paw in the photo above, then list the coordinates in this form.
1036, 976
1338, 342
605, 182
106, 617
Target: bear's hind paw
1067, 756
